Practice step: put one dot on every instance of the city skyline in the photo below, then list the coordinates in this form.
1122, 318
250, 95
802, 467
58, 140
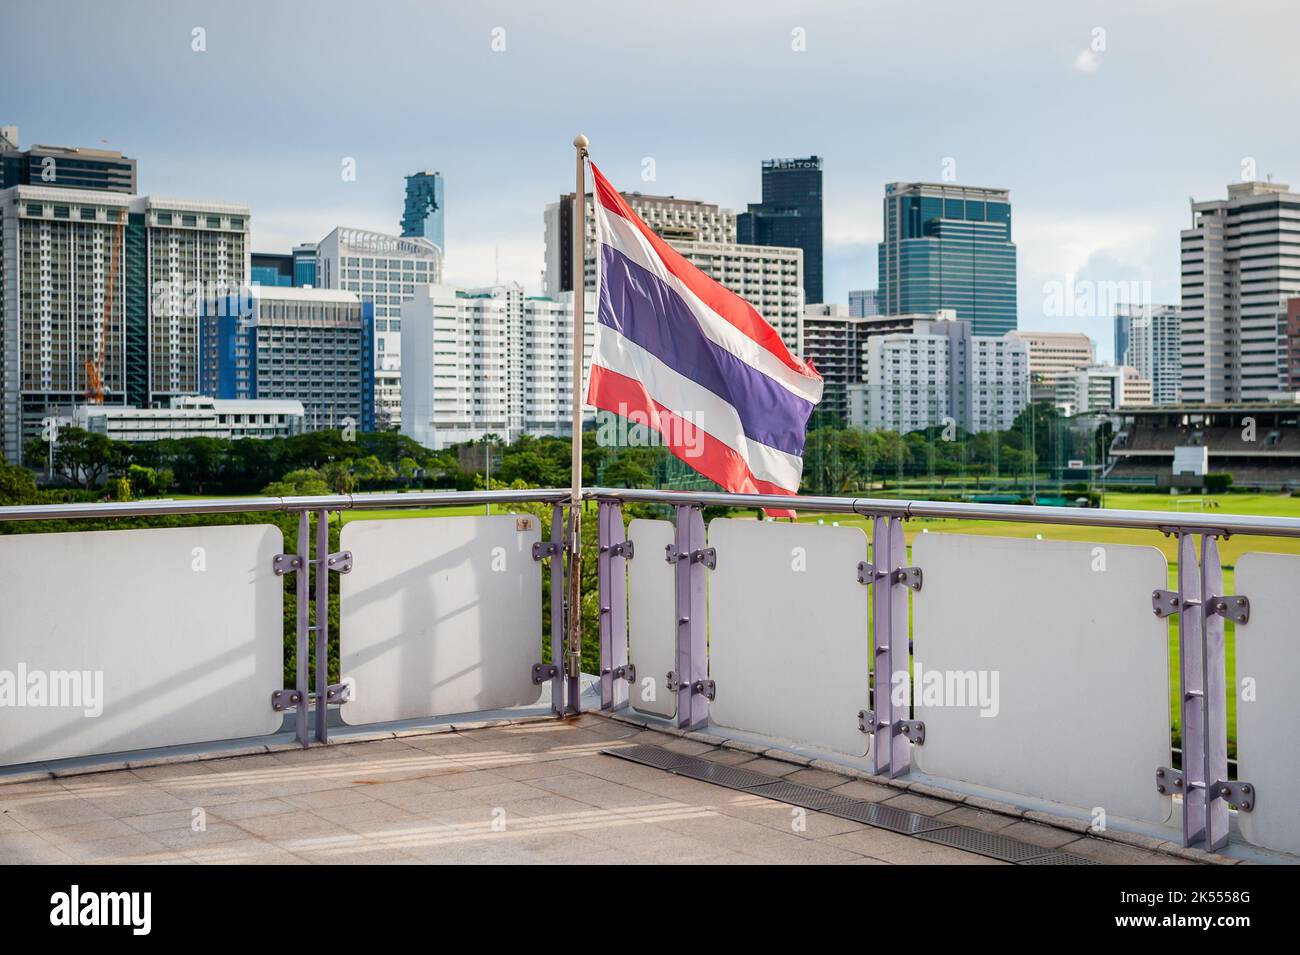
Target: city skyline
1098, 197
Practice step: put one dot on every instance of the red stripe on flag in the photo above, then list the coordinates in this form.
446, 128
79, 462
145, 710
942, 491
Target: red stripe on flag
610, 391
726, 303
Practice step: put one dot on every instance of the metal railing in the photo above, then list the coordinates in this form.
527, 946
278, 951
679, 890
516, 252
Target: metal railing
1203, 780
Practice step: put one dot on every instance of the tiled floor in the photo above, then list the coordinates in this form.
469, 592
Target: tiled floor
528, 793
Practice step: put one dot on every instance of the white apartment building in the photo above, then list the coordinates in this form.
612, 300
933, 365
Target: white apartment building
488, 361
384, 270
1101, 388
1240, 261
1052, 354
1152, 334
941, 373
193, 416
59, 248
768, 277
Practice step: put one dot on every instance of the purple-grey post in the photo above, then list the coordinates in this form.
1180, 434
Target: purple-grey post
1214, 704
692, 636
322, 604
1191, 620
893, 754
611, 576
303, 583
557, 609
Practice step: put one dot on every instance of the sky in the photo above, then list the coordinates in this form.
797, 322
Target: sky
1103, 119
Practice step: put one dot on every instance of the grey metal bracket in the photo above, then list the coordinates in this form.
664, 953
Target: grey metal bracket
1242, 795
912, 729
545, 549
625, 672
707, 556
908, 576
544, 671
707, 688
866, 721
622, 549
1233, 607
1166, 603
1169, 781
868, 575
286, 564
340, 563
338, 692
282, 700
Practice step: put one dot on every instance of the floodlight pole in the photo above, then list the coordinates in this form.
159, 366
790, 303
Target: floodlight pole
574, 662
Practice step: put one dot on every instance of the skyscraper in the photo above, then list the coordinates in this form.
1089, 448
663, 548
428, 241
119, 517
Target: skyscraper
424, 215
383, 270
307, 345
862, 302
65, 167
790, 215
949, 246
767, 277
1152, 345
1239, 266
58, 249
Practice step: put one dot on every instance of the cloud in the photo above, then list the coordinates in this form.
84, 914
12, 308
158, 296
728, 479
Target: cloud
1087, 62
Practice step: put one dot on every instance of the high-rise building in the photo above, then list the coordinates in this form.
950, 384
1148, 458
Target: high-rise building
383, 270
271, 269
64, 167
1052, 354
790, 215
949, 247
304, 265
90, 275
1240, 262
941, 373
862, 302
1151, 335
308, 345
1291, 351
424, 215
1101, 388
768, 277
488, 361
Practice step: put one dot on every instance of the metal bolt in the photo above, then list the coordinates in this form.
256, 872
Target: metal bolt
1160, 789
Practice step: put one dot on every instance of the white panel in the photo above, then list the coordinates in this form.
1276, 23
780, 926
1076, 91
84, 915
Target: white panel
184, 626
1081, 663
439, 615
652, 621
1268, 727
788, 629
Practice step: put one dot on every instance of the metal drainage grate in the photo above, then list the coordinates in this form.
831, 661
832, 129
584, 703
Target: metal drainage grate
927, 828
985, 843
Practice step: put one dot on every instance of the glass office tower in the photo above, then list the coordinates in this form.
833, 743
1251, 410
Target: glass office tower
949, 246
790, 215
423, 216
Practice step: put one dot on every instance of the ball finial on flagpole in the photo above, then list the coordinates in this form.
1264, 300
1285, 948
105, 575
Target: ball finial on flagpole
581, 141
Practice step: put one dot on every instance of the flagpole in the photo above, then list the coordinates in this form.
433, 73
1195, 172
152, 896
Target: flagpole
579, 270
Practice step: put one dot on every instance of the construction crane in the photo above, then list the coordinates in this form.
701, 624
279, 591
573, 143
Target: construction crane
95, 366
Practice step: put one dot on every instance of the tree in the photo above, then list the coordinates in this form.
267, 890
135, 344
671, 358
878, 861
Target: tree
300, 483
17, 485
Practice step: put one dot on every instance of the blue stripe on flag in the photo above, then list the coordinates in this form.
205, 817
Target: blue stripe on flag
646, 310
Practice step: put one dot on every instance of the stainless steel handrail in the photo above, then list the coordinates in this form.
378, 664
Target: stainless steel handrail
1164, 521
1224, 524
293, 505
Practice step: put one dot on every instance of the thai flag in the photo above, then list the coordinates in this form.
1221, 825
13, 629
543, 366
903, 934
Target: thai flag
678, 351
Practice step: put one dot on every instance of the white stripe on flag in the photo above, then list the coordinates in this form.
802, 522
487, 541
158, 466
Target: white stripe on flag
696, 404
623, 236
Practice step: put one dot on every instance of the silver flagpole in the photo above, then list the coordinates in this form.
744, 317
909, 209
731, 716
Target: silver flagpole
575, 507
